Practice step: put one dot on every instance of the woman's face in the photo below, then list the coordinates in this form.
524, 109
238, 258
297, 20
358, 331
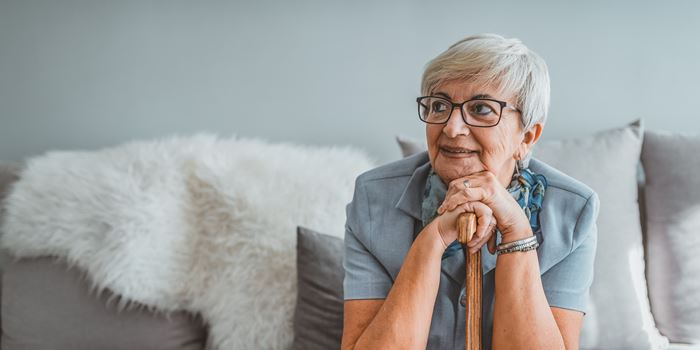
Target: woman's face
495, 147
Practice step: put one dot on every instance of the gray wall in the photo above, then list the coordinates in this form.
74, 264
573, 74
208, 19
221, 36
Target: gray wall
89, 74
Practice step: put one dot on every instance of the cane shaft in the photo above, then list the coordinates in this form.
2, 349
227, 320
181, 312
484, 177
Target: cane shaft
467, 228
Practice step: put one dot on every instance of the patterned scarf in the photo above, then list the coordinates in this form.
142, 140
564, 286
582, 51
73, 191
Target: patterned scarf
527, 189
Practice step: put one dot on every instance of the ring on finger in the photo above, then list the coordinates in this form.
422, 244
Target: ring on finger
466, 183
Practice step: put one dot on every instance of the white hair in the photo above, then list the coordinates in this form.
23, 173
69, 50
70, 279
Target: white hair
492, 59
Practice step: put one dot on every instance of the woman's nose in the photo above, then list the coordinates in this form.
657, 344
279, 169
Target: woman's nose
456, 125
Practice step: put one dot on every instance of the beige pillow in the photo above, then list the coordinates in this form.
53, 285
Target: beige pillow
620, 316
672, 198
608, 161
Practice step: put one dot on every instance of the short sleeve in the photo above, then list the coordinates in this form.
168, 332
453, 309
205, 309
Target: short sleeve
567, 284
365, 277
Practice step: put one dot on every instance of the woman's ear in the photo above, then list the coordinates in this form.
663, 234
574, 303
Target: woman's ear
530, 137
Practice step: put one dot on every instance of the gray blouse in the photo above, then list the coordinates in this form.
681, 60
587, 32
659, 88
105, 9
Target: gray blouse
384, 217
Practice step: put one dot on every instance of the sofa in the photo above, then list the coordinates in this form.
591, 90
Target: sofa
644, 295
46, 304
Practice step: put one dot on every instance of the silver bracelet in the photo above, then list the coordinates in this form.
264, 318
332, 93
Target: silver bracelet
520, 245
518, 242
519, 248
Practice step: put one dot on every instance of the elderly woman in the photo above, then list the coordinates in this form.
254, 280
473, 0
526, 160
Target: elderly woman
484, 105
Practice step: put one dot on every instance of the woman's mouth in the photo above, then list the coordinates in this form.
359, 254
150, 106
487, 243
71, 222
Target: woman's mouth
457, 152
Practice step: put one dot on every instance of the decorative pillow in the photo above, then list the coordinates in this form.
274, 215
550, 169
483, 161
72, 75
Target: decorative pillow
47, 305
409, 146
620, 315
318, 317
672, 194
9, 173
607, 161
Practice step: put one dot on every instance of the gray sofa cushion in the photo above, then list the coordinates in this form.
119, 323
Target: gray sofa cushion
672, 200
318, 316
47, 305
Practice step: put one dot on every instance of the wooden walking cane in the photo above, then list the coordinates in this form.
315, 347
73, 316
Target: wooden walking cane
473, 283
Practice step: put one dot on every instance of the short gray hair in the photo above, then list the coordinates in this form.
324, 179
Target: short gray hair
492, 59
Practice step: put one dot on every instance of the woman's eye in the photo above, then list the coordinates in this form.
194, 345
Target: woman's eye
439, 107
482, 109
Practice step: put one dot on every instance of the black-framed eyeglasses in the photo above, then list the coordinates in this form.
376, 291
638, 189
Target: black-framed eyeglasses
478, 112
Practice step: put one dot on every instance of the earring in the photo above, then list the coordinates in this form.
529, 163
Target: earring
517, 165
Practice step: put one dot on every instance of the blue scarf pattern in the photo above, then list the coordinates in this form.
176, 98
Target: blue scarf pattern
527, 189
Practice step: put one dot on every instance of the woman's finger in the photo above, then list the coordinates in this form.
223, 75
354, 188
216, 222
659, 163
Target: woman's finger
458, 194
483, 223
475, 194
483, 216
477, 245
452, 201
492, 239
477, 242
480, 241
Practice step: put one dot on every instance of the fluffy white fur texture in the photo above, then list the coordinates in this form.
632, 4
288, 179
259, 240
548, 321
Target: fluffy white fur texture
197, 223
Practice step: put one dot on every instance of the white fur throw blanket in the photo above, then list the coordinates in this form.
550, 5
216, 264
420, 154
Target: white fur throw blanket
192, 223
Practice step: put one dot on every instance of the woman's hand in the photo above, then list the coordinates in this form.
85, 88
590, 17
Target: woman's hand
484, 191
485, 226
